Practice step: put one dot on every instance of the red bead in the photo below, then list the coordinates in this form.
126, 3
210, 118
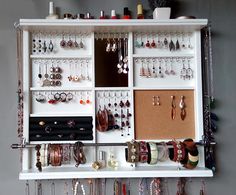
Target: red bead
81, 101
88, 102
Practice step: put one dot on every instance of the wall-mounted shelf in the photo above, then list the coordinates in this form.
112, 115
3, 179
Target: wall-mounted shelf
100, 79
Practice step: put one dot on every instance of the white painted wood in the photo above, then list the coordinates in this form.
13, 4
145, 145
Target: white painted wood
26, 100
70, 173
113, 25
87, 28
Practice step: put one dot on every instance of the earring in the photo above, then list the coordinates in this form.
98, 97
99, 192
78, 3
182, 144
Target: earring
182, 106
50, 46
63, 42
173, 107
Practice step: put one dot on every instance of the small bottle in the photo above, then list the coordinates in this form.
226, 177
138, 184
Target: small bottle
113, 14
102, 16
126, 13
51, 15
102, 159
140, 11
112, 162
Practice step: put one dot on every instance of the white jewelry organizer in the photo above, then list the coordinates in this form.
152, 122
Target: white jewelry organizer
155, 69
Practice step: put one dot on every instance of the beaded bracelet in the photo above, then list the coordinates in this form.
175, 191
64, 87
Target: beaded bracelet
179, 151
133, 152
38, 163
143, 152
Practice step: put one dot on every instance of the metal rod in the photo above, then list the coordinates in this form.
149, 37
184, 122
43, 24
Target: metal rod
17, 146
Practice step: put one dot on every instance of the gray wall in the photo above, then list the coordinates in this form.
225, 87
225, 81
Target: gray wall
222, 15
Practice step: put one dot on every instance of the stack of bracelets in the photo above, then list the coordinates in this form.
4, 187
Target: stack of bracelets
185, 152
58, 154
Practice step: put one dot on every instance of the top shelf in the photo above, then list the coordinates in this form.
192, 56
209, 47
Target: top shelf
109, 25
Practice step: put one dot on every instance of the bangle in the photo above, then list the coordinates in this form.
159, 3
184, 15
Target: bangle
55, 152
133, 151
154, 153
163, 152
66, 154
78, 153
143, 152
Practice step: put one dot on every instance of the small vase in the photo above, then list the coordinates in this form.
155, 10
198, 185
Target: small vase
161, 13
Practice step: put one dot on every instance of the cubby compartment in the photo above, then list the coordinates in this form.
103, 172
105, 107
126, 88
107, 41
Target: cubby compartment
60, 128
111, 61
62, 103
164, 114
114, 115
62, 73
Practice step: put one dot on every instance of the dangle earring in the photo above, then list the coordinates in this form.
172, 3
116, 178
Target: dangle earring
153, 44
182, 106
50, 46
148, 45
76, 44
189, 72
161, 75
114, 46
173, 107
82, 102
154, 73
166, 67
136, 43
172, 72
177, 45
63, 42
142, 69
183, 72
70, 43
81, 44
148, 70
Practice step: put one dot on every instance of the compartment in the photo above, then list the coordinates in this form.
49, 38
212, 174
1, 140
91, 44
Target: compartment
60, 128
153, 114
164, 42
66, 72
62, 103
61, 43
164, 72
114, 115
111, 60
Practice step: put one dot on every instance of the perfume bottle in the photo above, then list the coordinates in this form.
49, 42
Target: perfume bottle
126, 13
140, 11
102, 159
51, 15
112, 161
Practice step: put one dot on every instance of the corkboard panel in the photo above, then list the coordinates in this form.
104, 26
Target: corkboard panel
155, 122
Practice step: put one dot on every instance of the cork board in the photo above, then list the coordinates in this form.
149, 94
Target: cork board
155, 122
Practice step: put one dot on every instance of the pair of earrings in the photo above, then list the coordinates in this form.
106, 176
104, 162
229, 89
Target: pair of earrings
182, 106
111, 46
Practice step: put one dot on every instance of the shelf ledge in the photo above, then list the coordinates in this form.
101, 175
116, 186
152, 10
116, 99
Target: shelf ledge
137, 172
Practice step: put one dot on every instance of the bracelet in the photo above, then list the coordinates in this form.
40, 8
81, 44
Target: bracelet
163, 152
38, 163
78, 153
55, 154
66, 154
179, 151
154, 153
133, 152
143, 152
